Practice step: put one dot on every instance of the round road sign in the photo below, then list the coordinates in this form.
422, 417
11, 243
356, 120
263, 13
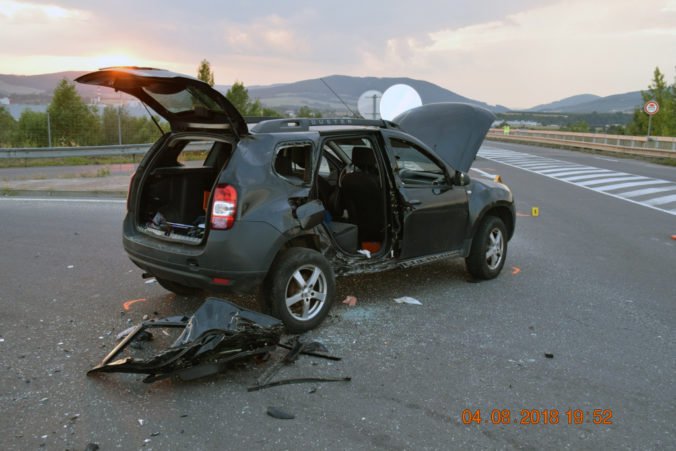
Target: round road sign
651, 107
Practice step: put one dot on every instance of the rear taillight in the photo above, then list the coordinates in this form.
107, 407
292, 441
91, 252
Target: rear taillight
224, 207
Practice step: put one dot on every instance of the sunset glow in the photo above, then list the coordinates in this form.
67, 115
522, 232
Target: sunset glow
517, 53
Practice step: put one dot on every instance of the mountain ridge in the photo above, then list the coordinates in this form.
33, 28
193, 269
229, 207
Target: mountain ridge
314, 93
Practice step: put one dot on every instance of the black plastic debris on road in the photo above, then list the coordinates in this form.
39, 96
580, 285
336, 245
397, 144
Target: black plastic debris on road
296, 347
218, 333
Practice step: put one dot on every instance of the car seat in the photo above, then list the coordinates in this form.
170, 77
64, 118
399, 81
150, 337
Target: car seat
361, 195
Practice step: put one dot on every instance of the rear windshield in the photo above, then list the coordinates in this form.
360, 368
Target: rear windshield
185, 100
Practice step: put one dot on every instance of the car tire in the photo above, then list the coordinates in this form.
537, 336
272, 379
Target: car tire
299, 289
177, 288
489, 249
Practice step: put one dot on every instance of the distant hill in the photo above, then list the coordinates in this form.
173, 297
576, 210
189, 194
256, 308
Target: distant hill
34, 84
282, 96
589, 103
38, 89
314, 94
564, 103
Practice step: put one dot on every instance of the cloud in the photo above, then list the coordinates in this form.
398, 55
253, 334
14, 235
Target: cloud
517, 53
26, 13
270, 35
544, 53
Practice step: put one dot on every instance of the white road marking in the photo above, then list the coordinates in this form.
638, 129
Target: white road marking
644, 192
592, 178
566, 172
629, 185
484, 173
661, 200
598, 173
612, 179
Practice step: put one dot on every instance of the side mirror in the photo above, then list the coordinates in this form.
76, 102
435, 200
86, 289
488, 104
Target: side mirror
461, 178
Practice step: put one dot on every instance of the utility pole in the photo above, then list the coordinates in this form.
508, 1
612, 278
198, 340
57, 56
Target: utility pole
49, 131
119, 120
119, 126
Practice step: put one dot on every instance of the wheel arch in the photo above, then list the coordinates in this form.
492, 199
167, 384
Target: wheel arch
306, 240
505, 214
503, 211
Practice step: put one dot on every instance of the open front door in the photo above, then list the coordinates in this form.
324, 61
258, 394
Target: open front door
435, 212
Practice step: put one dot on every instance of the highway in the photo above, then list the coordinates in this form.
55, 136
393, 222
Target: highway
581, 319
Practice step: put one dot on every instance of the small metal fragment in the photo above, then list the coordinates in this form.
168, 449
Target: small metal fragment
276, 412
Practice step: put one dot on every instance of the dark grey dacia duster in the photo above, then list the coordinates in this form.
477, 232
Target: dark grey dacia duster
283, 208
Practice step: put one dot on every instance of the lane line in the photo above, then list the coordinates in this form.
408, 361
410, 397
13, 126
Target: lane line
484, 173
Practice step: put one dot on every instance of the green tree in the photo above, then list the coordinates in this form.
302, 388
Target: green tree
663, 94
109, 124
270, 112
133, 130
7, 127
615, 129
205, 73
580, 126
306, 111
238, 95
73, 123
31, 131
144, 130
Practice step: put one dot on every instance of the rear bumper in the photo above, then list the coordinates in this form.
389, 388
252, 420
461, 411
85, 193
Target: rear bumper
227, 281
230, 260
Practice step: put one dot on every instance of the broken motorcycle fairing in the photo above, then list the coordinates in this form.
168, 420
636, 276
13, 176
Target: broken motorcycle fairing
218, 333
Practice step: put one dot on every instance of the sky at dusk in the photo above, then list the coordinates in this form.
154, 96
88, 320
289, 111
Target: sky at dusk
517, 53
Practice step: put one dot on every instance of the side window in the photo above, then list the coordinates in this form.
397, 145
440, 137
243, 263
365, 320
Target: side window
293, 162
414, 166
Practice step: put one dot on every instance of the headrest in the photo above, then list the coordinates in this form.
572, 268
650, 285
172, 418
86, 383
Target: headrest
363, 157
298, 155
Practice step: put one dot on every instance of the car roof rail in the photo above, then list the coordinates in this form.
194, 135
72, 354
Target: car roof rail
303, 124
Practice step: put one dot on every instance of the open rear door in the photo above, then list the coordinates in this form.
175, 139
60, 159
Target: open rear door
185, 102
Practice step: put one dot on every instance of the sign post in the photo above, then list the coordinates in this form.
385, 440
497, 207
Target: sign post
651, 108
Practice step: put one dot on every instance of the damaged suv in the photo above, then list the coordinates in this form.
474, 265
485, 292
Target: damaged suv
282, 208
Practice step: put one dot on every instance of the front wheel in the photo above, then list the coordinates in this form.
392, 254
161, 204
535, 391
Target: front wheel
300, 289
489, 249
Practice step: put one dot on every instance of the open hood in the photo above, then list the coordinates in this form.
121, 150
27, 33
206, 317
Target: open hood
454, 131
185, 102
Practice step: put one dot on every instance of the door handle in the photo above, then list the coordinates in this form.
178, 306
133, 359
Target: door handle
414, 202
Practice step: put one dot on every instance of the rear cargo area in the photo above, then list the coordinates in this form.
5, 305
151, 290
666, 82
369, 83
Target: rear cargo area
176, 188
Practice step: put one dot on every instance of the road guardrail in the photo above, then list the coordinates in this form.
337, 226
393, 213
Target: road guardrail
657, 146
88, 151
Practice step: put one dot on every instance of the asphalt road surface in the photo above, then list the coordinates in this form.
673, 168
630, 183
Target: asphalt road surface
589, 282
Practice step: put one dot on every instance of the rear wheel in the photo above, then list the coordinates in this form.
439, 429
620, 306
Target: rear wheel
489, 249
299, 289
177, 288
